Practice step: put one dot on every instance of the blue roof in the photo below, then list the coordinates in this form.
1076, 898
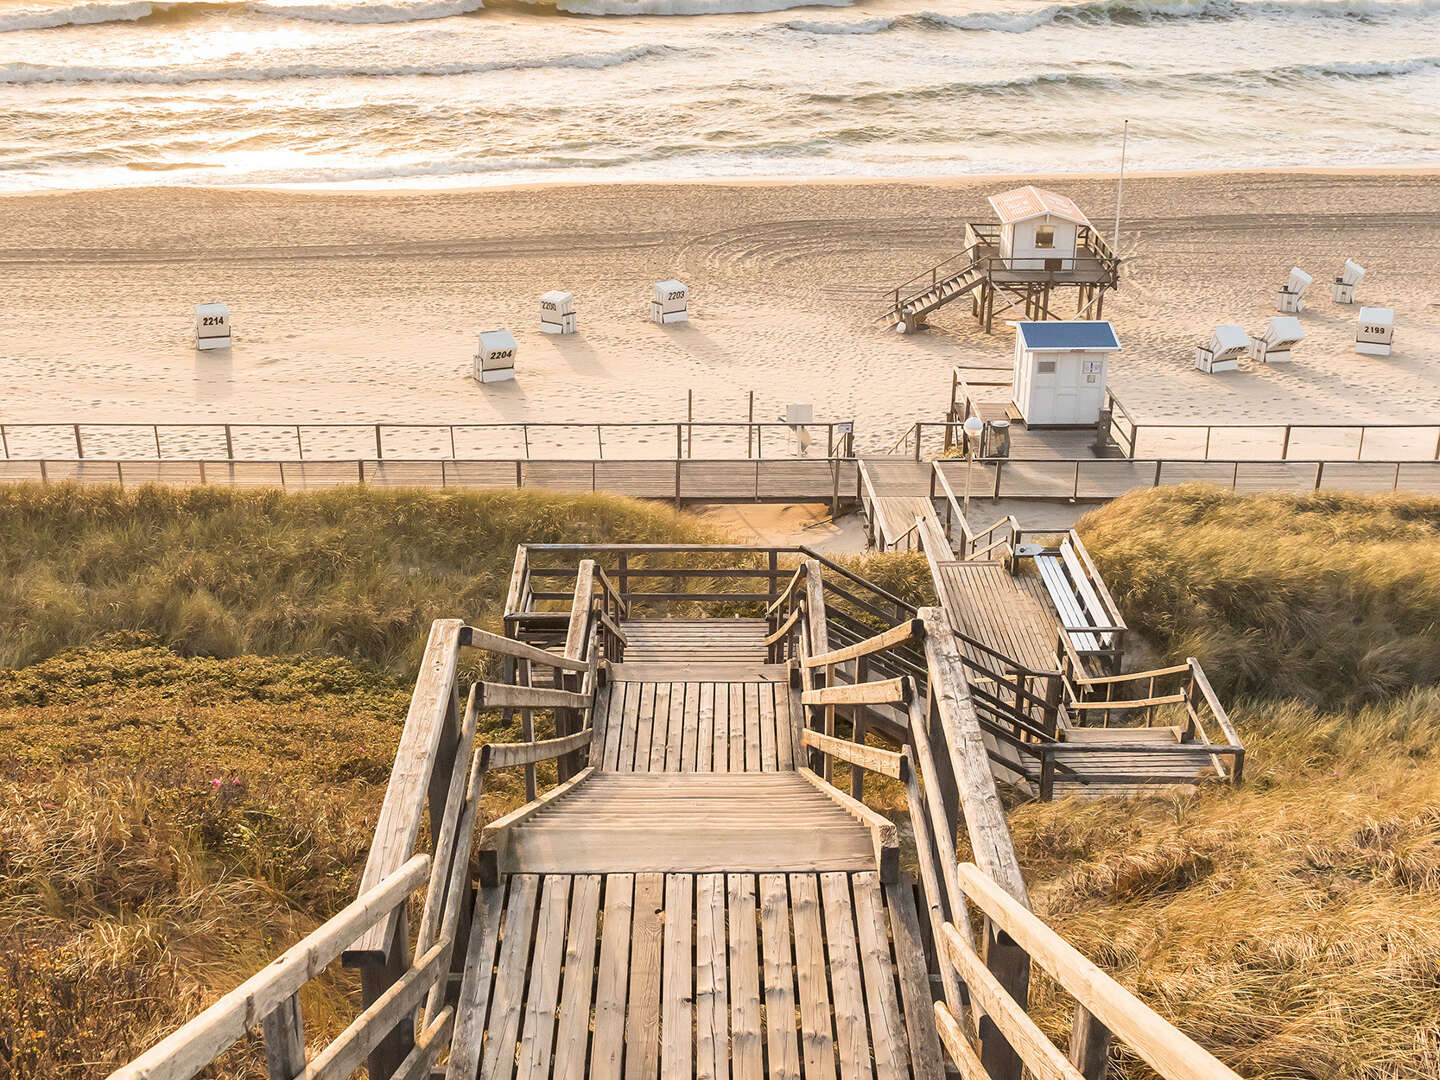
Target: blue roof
1068, 335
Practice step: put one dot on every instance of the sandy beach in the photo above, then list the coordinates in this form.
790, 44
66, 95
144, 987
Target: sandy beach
365, 306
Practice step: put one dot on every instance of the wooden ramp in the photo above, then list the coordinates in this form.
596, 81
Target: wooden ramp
1009, 613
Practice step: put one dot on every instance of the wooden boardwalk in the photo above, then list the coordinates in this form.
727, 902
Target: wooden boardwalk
724, 903
693, 897
1012, 614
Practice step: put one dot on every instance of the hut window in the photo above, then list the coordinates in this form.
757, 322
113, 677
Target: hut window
1045, 367
1044, 236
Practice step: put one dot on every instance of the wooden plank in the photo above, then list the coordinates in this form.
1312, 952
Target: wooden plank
475, 985
920, 1030
677, 988
705, 733
610, 988
675, 741
644, 727
884, 839
686, 848
642, 1019
783, 1049
885, 762
689, 751
887, 1032
784, 747
816, 1044
186, 1051
503, 696
498, 1062
483, 639
737, 727
630, 726
753, 761
537, 1030
712, 1014
851, 1028
507, 755
497, 837
896, 635
882, 692
720, 750
746, 1049
614, 723
573, 1037
766, 710
967, 1061
660, 731
284, 1031
699, 671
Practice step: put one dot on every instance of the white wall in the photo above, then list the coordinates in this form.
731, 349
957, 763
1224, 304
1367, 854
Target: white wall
1017, 241
1070, 394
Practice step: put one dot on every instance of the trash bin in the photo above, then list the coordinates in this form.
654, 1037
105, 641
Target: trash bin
998, 438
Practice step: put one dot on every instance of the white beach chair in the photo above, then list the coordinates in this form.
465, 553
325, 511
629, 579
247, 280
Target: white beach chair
1375, 331
1343, 291
670, 302
212, 326
495, 361
1291, 299
1227, 345
1283, 333
557, 312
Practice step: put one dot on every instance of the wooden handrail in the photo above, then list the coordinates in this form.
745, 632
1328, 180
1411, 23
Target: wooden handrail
886, 692
505, 696
1133, 676
483, 639
504, 755
887, 639
784, 596
876, 760
1155, 1040
784, 628
190, 1048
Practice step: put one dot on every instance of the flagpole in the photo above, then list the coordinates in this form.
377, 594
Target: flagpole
1120, 188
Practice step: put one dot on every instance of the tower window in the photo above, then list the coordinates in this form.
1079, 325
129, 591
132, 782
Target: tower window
1044, 236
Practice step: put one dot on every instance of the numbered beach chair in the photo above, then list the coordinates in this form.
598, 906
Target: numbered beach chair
1282, 335
1343, 291
1291, 298
1227, 345
1375, 331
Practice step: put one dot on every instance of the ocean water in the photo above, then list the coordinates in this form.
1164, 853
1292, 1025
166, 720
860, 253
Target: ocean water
107, 93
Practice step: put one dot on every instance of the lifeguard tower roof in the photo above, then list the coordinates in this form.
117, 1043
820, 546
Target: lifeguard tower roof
1068, 336
1028, 202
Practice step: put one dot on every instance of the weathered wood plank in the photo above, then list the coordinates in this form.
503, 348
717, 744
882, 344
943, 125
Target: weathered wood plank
880, 692
572, 1039
503, 696
887, 1032
537, 1030
507, 755
705, 733
920, 1030
888, 639
816, 1044
746, 1049
660, 731
851, 1028
644, 727
677, 989
608, 1047
474, 1005
679, 721
753, 761
783, 1049
642, 1020
498, 1062
884, 762
483, 639
712, 1013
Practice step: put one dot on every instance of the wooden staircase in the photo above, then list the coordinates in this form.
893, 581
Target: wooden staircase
957, 276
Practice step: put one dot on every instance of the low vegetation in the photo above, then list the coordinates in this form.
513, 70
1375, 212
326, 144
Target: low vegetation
1329, 598
182, 795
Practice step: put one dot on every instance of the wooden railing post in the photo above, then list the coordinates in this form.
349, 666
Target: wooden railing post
1089, 1044
285, 1040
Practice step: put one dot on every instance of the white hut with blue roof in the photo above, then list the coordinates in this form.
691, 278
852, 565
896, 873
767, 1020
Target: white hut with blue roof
1061, 370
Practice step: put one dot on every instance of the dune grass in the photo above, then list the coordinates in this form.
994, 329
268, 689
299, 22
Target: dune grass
1330, 598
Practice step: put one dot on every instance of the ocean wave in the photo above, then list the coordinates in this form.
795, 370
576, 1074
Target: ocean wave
45, 73
75, 15
370, 13
1119, 12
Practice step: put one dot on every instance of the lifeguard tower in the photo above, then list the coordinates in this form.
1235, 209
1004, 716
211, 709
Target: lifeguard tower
1041, 243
